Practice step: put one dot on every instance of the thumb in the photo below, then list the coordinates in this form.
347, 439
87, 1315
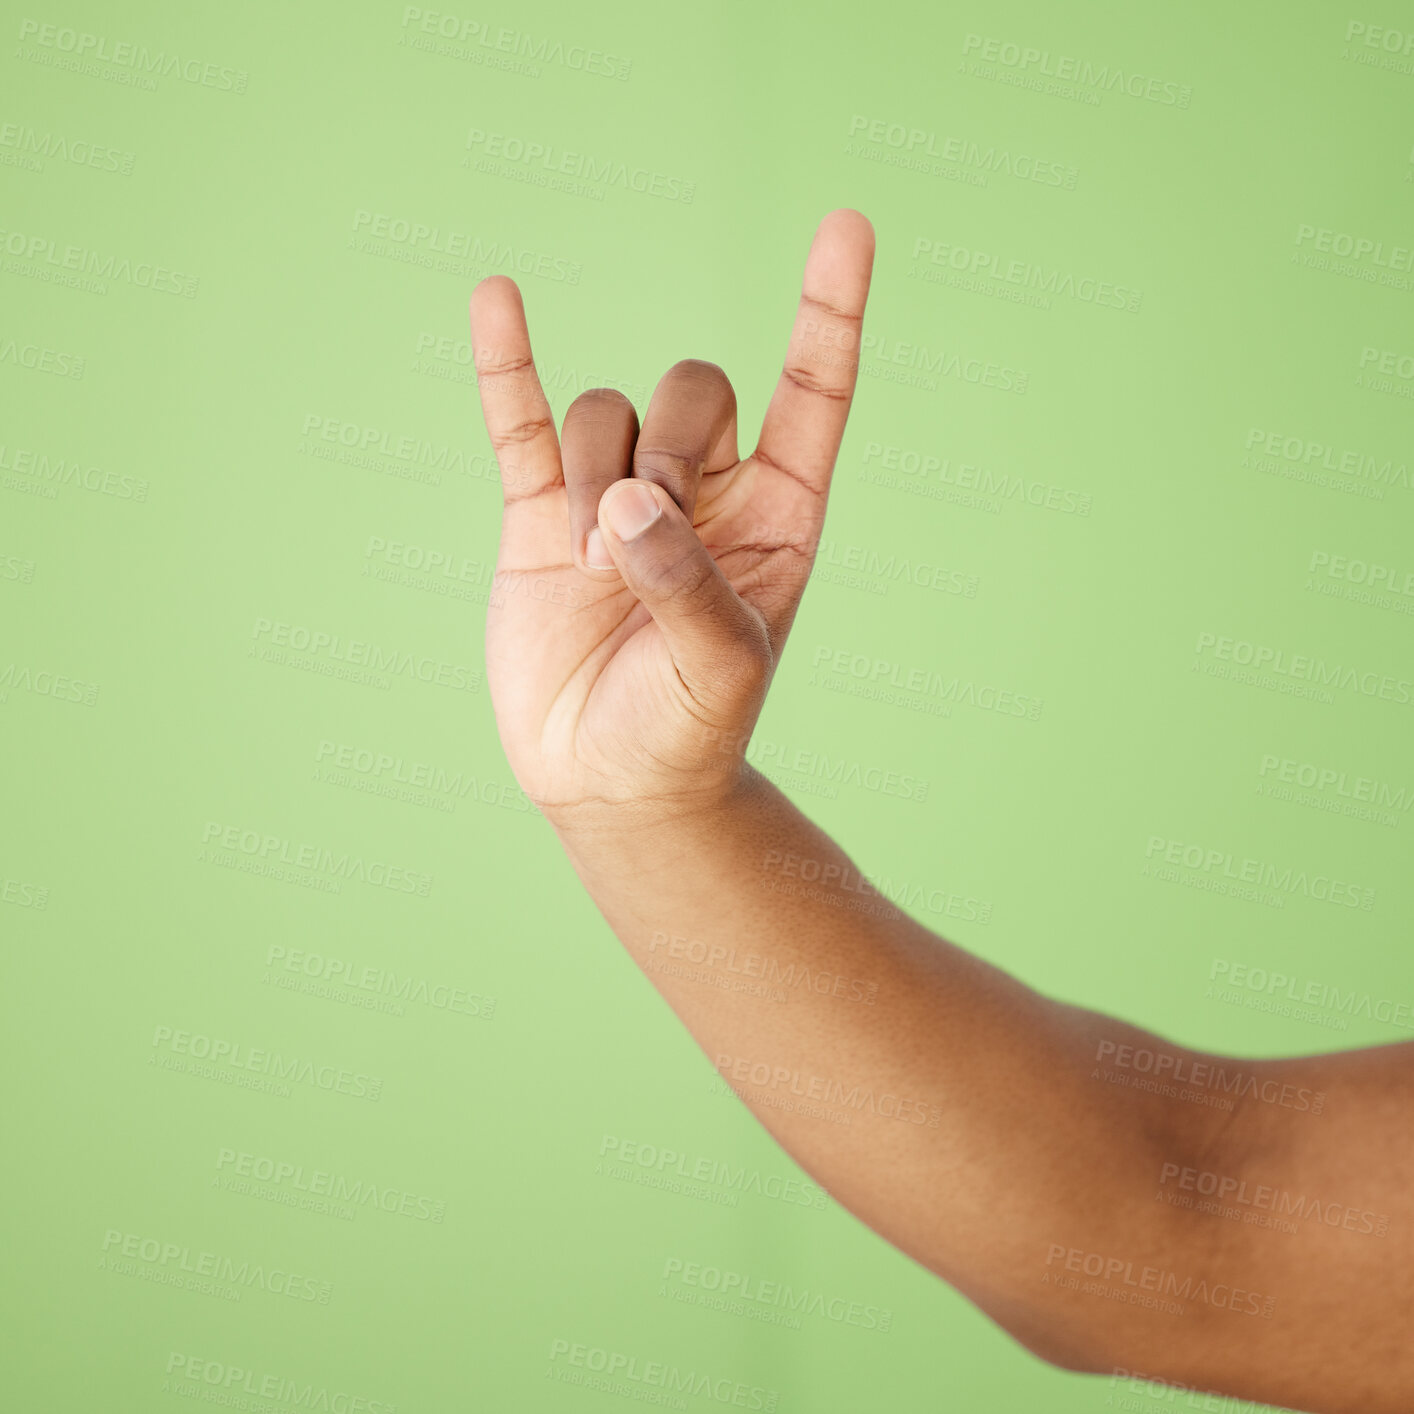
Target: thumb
720, 645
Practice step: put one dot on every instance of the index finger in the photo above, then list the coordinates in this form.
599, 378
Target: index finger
804, 424
518, 417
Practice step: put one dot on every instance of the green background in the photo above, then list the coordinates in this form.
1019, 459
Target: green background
226, 410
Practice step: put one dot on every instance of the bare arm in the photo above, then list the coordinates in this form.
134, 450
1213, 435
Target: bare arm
1111, 1199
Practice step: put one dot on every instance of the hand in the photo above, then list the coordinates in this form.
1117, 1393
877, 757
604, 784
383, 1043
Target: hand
647, 579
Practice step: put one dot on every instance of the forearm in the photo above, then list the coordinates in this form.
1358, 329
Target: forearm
947, 1105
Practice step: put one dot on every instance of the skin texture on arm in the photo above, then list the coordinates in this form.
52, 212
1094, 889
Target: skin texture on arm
1089, 1185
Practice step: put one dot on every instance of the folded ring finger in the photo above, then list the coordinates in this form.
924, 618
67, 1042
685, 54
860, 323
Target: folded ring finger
596, 449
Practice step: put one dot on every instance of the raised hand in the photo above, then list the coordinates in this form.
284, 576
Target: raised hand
647, 577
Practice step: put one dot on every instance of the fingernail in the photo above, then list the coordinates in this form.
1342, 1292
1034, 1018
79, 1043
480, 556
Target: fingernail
596, 553
631, 509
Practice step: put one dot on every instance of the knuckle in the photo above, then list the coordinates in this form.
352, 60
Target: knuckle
665, 461
602, 405
811, 382
493, 363
703, 379
602, 398
699, 370
697, 583
746, 667
833, 311
521, 432
688, 580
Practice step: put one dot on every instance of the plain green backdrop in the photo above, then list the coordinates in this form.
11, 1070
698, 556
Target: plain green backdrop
1134, 414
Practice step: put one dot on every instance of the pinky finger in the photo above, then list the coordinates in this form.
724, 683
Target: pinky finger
518, 417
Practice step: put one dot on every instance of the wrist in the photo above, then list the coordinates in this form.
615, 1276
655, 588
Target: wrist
649, 827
